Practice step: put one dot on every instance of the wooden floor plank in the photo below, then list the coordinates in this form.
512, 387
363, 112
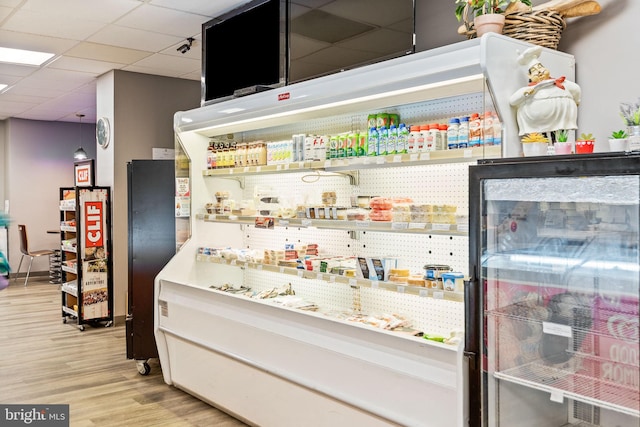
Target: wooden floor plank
45, 361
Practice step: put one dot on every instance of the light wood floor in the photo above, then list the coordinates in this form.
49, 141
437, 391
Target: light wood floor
44, 361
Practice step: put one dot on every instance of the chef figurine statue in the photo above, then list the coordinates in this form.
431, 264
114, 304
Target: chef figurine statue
547, 104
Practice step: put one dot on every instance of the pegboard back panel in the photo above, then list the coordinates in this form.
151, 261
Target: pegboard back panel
430, 315
431, 111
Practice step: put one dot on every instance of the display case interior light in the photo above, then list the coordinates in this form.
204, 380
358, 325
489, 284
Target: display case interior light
24, 57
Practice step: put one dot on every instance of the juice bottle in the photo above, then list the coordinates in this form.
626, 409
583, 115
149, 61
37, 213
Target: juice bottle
372, 142
383, 138
392, 140
412, 141
452, 133
463, 133
402, 141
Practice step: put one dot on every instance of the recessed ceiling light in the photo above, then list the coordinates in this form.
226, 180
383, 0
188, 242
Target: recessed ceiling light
24, 57
2, 87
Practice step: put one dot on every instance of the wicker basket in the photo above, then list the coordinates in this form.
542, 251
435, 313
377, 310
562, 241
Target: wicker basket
543, 27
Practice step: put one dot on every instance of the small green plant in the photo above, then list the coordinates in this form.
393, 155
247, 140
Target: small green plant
472, 8
630, 113
619, 134
562, 135
586, 137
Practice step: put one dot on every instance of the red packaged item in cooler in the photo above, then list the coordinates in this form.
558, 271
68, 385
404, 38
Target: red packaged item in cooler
381, 203
381, 215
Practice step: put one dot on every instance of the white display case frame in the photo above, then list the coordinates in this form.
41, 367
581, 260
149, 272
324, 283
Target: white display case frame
270, 365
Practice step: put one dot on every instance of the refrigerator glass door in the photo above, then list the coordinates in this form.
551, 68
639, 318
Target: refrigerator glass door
559, 268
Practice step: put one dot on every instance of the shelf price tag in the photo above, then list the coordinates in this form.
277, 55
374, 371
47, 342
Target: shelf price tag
397, 158
259, 267
413, 157
283, 223
425, 156
246, 169
300, 273
320, 276
327, 163
417, 225
246, 265
399, 225
423, 293
400, 289
362, 224
441, 227
374, 284
281, 269
381, 160
258, 168
468, 153
438, 294
300, 165
233, 262
278, 167
332, 278
353, 282
231, 171
557, 396
305, 223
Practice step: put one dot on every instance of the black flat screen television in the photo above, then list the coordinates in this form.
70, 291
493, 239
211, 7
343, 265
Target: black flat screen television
265, 44
244, 50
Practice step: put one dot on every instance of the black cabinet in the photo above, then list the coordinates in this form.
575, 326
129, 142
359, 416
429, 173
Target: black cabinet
152, 243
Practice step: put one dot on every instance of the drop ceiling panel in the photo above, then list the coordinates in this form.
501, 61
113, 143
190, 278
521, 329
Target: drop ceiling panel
163, 20
51, 24
169, 64
18, 40
97, 51
94, 10
84, 65
132, 38
210, 8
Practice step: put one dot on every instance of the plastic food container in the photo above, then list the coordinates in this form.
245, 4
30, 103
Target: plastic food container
453, 281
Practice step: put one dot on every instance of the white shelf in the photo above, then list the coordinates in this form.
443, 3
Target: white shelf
335, 278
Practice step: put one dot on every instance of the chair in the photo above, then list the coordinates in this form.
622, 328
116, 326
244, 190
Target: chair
24, 248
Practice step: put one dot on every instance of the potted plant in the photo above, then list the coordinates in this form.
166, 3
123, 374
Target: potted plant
618, 141
630, 113
486, 15
585, 143
534, 144
562, 144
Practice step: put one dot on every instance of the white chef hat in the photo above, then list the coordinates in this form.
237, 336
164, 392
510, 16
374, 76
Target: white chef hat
529, 57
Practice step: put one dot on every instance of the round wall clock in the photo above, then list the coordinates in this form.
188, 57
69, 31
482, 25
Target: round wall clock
103, 132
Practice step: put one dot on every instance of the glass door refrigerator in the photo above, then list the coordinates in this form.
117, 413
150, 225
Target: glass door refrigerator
552, 303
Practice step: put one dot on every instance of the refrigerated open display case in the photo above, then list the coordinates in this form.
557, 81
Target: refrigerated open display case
552, 306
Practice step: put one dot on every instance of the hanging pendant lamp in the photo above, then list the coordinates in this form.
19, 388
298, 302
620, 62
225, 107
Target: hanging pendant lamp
80, 154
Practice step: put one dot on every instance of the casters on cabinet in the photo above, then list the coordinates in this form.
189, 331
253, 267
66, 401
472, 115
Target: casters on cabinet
143, 367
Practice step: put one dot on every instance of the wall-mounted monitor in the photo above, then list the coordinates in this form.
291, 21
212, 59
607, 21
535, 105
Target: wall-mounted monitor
244, 50
265, 44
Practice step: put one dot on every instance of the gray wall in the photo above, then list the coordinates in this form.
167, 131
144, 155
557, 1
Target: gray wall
38, 160
140, 108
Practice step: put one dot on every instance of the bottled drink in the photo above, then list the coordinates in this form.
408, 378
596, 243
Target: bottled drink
441, 142
422, 140
463, 132
392, 140
383, 139
412, 142
487, 133
452, 133
402, 141
475, 130
432, 141
372, 142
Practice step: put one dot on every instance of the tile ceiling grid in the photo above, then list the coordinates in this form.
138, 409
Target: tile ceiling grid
90, 38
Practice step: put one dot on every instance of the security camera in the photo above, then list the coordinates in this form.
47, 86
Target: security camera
186, 46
